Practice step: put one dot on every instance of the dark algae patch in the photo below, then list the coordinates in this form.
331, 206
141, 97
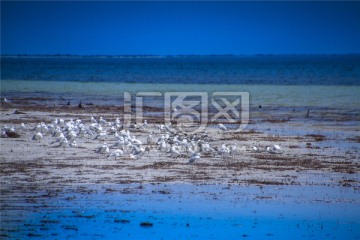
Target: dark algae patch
146, 224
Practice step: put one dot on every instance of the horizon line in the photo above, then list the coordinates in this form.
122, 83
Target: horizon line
172, 55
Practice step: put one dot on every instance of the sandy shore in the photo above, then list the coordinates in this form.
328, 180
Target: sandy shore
307, 159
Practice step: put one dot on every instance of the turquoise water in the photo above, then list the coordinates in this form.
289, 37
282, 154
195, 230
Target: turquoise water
112, 92
196, 212
331, 81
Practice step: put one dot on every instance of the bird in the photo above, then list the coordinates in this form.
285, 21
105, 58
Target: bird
224, 150
194, 157
73, 144
162, 146
274, 149
222, 127
135, 141
93, 120
37, 137
150, 140
137, 151
63, 143
116, 153
255, 149
234, 150
103, 149
102, 121
174, 152
4, 135
58, 139
101, 136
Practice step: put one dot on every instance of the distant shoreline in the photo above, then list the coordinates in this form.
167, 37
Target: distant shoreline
170, 56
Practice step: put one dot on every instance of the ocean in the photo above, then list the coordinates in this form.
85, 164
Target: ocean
331, 81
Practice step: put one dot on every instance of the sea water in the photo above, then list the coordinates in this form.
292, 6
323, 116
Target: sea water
184, 211
272, 80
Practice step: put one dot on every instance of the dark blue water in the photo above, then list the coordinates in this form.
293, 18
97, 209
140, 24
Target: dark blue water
190, 212
269, 69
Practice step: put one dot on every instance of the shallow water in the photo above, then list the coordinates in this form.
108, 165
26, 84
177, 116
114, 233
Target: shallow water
190, 211
110, 93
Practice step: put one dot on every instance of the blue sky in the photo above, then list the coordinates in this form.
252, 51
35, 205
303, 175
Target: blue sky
164, 28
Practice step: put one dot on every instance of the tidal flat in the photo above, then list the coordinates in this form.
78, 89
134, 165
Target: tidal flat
310, 190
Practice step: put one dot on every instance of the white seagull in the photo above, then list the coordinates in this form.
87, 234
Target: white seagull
37, 137
222, 127
275, 149
116, 153
103, 149
194, 157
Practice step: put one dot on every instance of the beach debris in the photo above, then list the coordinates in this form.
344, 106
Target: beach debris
12, 134
146, 224
121, 221
70, 227
18, 112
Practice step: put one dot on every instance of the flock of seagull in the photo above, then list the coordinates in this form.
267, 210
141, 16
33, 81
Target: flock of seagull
164, 138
